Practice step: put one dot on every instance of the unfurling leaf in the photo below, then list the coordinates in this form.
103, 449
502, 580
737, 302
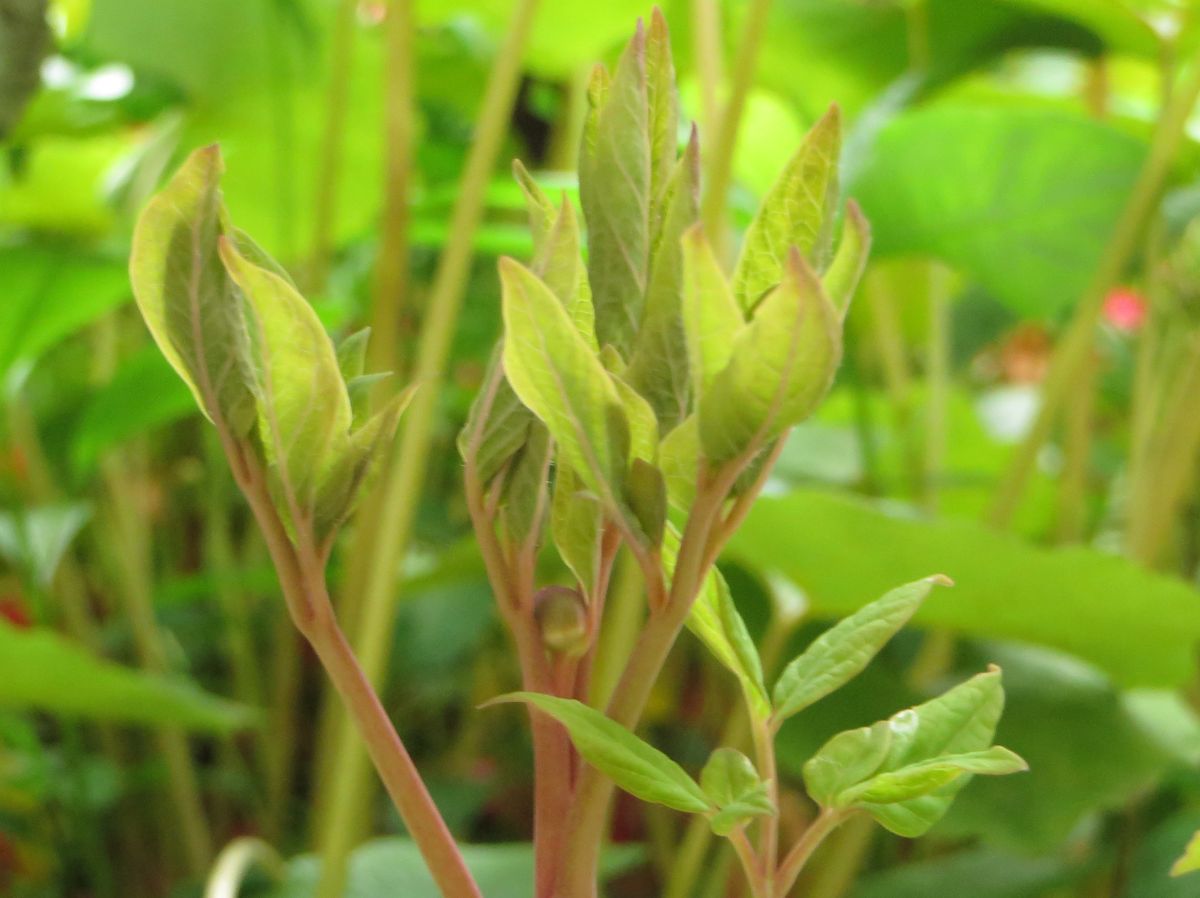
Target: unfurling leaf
523, 503
679, 458
850, 261
781, 365
497, 424
913, 764
615, 190
185, 295
711, 317
731, 782
659, 367
304, 414
796, 212
576, 519
556, 375
638, 768
842, 652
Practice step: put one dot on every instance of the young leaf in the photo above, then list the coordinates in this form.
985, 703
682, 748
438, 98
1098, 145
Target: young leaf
638, 768
711, 317
646, 496
497, 423
351, 462
525, 486
558, 263
679, 458
663, 111
659, 367
304, 411
186, 297
961, 722
782, 364
850, 261
715, 621
540, 209
796, 212
924, 777
1189, 861
733, 785
553, 371
352, 354
840, 653
576, 519
614, 188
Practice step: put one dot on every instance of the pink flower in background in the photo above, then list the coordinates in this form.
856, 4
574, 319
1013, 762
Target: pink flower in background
1125, 309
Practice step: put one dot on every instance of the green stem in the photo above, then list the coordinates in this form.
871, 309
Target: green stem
329, 164
720, 158
1077, 452
301, 578
706, 50
406, 471
1076, 345
789, 871
392, 262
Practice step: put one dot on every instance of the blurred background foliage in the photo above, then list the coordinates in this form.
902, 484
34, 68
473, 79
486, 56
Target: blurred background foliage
156, 705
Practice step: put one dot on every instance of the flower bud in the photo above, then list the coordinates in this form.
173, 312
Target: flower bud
562, 619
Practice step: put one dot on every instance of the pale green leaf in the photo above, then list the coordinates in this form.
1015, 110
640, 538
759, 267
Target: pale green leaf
1189, 861
576, 519
304, 413
350, 466
841, 653
924, 777
556, 375
352, 353
638, 768
614, 188
679, 458
659, 367
34, 540
797, 212
40, 670
185, 294
850, 260
711, 317
734, 786
525, 486
663, 116
781, 366
497, 423
846, 760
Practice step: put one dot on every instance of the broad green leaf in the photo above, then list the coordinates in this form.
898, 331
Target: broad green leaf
734, 786
145, 393
304, 413
659, 367
558, 378
638, 768
850, 260
185, 294
51, 293
679, 458
614, 187
841, 653
781, 365
715, 621
797, 212
1189, 861
497, 424
394, 866
43, 671
711, 317
924, 777
1144, 632
978, 872
1021, 200
961, 722
576, 519
351, 462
